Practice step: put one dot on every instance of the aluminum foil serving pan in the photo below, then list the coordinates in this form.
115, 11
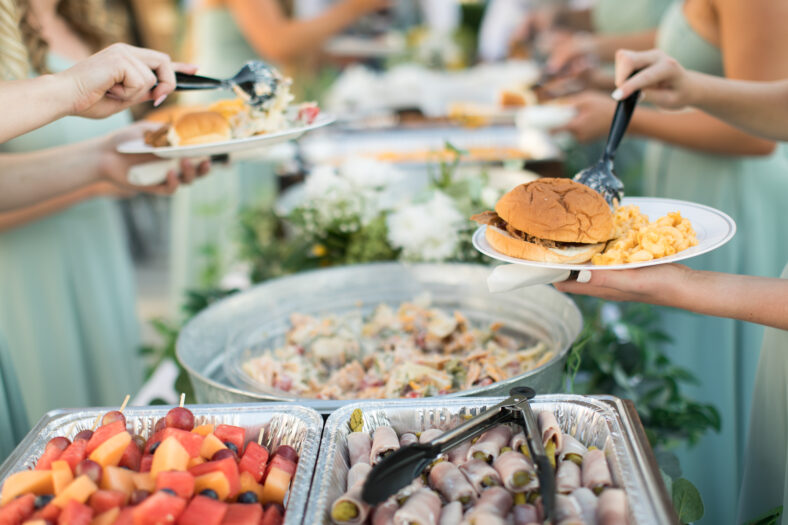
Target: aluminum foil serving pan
297, 426
257, 320
602, 421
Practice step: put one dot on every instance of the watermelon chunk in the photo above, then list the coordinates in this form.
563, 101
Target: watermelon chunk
132, 457
158, 509
50, 513
191, 442
75, 513
203, 510
253, 461
226, 466
103, 433
76, 452
281, 463
126, 517
243, 514
146, 463
231, 434
18, 510
103, 500
272, 516
155, 438
51, 453
182, 483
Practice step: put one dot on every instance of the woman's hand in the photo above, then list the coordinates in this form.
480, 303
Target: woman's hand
114, 166
362, 7
117, 77
594, 115
661, 78
579, 47
650, 284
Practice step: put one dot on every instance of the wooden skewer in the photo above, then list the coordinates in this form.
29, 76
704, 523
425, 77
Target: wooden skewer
125, 401
260, 437
96, 423
183, 399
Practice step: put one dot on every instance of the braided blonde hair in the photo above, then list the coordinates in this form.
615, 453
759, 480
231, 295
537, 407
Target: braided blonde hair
22, 47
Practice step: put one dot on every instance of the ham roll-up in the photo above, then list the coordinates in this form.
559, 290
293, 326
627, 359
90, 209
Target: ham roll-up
567, 509
430, 434
525, 514
350, 509
384, 513
384, 442
451, 514
495, 501
595, 472
447, 479
358, 446
408, 438
422, 508
552, 437
459, 454
567, 477
612, 508
517, 472
588, 504
484, 518
572, 450
480, 474
490, 444
518, 442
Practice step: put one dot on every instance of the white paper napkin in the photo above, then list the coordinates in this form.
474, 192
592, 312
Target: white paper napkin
508, 277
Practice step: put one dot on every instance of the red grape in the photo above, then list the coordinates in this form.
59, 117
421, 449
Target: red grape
138, 496
224, 453
112, 416
161, 424
59, 442
89, 468
180, 417
139, 441
287, 452
85, 434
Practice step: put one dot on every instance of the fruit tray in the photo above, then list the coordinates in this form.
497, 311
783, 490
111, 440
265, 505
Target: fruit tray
603, 421
283, 424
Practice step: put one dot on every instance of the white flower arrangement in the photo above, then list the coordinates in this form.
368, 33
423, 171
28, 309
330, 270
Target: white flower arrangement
426, 231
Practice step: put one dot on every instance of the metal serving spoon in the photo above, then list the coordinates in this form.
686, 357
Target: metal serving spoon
601, 176
256, 80
404, 465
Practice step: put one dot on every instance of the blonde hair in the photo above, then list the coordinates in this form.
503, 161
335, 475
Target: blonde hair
22, 47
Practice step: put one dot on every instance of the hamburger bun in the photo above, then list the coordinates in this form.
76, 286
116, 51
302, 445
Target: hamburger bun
513, 247
200, 127
559, 210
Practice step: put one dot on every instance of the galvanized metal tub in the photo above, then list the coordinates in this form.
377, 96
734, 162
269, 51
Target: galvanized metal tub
537, 313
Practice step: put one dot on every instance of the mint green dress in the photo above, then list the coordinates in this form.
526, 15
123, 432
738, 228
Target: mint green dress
722, 353
68, 302
13, 420
614, 17
204, 216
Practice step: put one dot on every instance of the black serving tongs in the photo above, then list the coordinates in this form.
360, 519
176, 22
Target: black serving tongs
253, 76
404, 465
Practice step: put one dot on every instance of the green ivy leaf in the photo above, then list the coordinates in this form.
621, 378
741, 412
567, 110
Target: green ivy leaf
669, 463
770, 517
687, 501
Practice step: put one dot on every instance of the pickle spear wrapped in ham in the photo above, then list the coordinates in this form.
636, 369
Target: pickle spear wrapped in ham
459, 454
525, 514
359, 446
384, 442
451, 513
552, 437
495, 501
567, 477
481, 474
490, 444
595, 472
588, 503
349, 508
384, 513
518, 442
408, 438
567, 509
572, 450
422, 508
447, 479
612, 508
517, 472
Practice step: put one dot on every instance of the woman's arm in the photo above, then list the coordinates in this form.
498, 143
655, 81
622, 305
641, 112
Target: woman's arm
602, 47
755, 299
276, 37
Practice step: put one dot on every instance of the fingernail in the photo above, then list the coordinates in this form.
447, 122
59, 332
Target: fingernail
641, 97
617, 94
584, 276
158, 101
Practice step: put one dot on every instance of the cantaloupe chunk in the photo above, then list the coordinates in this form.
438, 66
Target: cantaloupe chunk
193, 462
276, 484
210, 446
215, 481
118, 478
249, 484
61, 476
36, 522
35, 481
79, 490
106, 518
109, 453
203, 430
169, 456
143, 481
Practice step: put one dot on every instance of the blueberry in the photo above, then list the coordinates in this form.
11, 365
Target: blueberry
231, 446
210, 494
154, 447
43, 500
169, 491
247, 497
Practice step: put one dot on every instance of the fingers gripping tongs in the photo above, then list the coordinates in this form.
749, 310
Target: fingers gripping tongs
399, 469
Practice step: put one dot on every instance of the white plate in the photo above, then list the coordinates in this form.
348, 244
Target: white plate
545, 116
227, 146
713, 228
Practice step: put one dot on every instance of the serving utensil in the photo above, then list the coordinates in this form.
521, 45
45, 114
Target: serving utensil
400, 468
601, 176
256, 81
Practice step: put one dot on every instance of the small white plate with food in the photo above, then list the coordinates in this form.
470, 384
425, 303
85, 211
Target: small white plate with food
560, 224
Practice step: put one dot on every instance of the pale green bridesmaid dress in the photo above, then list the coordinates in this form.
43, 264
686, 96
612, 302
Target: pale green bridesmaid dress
68, 298
204, 216
721, 352
612, 17
13, 420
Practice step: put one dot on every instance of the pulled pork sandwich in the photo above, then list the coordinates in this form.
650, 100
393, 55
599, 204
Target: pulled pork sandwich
549, 220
